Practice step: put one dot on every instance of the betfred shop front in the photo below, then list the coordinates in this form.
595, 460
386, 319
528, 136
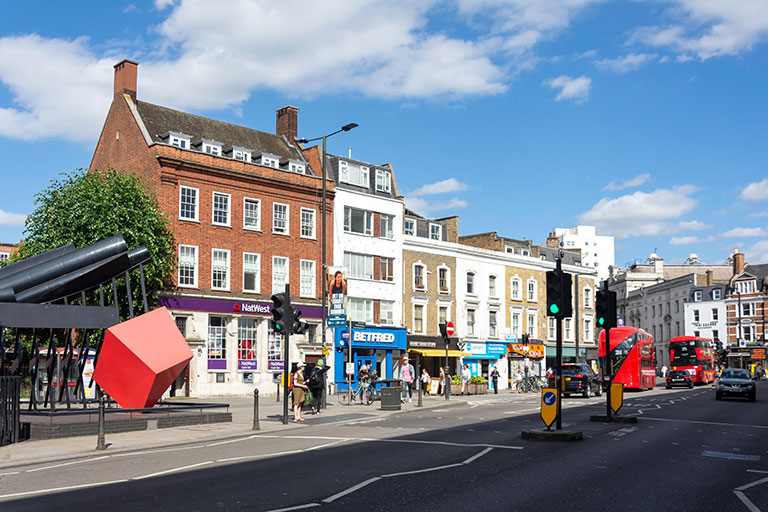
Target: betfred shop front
376, 347
234, 346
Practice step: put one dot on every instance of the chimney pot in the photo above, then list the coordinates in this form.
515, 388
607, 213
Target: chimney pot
738, 263
126, 72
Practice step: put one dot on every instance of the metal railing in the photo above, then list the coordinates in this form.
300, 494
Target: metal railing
10, 388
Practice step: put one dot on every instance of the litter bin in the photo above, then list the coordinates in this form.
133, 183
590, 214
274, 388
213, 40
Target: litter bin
391, 390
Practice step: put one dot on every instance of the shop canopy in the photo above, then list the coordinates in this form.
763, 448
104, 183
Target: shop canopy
435, 352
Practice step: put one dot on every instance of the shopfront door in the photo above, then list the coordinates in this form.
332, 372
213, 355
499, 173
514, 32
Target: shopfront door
369, 361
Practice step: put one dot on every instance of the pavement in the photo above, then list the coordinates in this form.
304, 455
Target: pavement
270, 414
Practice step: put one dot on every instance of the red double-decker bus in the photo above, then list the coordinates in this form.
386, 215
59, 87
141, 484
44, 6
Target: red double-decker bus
696, 355
632, 354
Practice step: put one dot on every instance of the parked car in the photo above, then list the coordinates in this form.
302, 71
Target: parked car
736, 382
579, 378
679, 378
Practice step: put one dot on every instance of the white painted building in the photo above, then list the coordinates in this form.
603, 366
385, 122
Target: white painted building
597, 251
368, 239
705, 313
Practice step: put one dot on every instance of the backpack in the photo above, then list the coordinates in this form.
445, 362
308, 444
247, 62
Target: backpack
291, 378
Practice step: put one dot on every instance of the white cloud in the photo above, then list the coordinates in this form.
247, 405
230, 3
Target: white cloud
576, 89
684, 240
11, 219
631, 182
439, 187
755, 191
744, 232
641, 213
693, 225
425, 207
630, 62
763, 213
758, 252
709, 28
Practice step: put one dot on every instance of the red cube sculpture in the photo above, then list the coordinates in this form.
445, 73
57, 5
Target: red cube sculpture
140, 358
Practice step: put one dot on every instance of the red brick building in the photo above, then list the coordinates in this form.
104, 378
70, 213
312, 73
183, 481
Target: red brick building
746, 310
7, 250
244, 206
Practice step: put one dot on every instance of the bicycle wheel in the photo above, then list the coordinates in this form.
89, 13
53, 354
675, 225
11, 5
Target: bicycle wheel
343, 396
367, 396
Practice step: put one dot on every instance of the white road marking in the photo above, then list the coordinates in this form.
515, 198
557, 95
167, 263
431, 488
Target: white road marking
707, 423
425, 470
11, 473
65, 464
477, 456
58, 489
756, 471
752, 484
173, 470
145, 452
231, 441
352, 489
751, 506
274, 454
297, 507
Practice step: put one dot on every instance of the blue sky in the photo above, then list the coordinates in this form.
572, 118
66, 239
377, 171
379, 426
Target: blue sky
646, 118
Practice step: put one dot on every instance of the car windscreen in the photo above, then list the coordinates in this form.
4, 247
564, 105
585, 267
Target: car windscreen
678, 373
735, 374
573, 370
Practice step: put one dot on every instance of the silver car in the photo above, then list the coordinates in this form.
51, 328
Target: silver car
736, 382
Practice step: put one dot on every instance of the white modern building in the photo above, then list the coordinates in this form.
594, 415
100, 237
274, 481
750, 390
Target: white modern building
705, 313
596, 250
368, 239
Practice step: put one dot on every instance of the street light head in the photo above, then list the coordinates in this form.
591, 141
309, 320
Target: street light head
349, 126
302, 141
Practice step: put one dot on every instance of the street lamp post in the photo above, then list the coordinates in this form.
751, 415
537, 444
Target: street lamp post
344, 128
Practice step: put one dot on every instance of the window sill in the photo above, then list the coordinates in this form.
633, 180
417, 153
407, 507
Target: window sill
308, 237
251, 291
254, 229
220, 225
219, 289
196, 221
281, 234
358, 234
188, 286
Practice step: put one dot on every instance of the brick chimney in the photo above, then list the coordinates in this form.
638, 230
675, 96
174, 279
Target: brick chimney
738, 262
288, 123
710, 274
553, 242
125, 77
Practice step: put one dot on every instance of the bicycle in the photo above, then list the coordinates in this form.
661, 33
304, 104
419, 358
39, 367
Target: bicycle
531, 383
362, 392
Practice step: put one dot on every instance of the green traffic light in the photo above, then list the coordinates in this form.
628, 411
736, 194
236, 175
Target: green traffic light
554, 309
601, 321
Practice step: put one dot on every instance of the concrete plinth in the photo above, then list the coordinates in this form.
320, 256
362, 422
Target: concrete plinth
613, 419
551, 435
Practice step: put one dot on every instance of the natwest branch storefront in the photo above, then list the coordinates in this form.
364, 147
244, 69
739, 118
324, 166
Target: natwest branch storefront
234, 346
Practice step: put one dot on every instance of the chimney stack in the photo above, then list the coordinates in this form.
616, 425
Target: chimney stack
288, 123
125, 77
710, 275
738, 262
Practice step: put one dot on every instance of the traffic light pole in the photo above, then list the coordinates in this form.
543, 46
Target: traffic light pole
608, 379
286, 341
558, 371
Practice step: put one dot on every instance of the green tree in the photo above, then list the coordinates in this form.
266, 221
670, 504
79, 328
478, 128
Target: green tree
85, 207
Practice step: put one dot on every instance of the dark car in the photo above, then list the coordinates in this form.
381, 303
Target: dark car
679, 378
736, 382
579, 378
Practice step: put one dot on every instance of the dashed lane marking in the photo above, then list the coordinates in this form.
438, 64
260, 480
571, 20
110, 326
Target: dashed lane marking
763, 427
66, 464
730, 456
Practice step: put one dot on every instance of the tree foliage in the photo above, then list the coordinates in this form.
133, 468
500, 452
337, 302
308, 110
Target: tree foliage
85, 207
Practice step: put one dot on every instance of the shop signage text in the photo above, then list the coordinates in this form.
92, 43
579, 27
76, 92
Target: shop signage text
373, 337
250, 307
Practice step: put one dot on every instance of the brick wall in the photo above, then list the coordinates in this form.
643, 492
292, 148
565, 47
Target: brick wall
431, 293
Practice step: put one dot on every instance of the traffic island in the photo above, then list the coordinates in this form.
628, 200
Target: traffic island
551, 435
601, 418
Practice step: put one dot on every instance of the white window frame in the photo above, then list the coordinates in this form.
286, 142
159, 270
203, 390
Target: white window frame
568, 329
532, 297
472, 274
698, 296
197, 203
419, 307
178, 140
493, 291
745, 287
390, 318
195, 268
412, 232
423, 267
516, 329
211, 149
287, 273
345, 174
241, 155
717, 294
551, 328
367, 221
587, 296
367, 309
313, 278
589, 336
532, 327
493, 327
298, 168
435, 229
313, 226
512, 294
257, 282
368, 262
385, 178
382, 274
228, 268
471, 325
252, 200
391, 226
447, 288
287, 232
213, 208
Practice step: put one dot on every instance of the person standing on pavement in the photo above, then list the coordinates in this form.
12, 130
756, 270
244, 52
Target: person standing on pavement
465, 376
407, 374
519, 380
315, 383
495, 379
424, 381
441, 391
664, 371
299, 388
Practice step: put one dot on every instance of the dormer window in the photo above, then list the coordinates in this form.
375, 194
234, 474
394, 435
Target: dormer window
268, 160
242, 155
294, 166
354, 174
178, 139
383, 181
208, 146
745, 286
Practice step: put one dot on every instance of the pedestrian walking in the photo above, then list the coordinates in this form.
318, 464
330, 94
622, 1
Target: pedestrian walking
465, 376
407, 374
495, 379
315, 384
519, 380
441, 391
664, 371
299, 388
424, 381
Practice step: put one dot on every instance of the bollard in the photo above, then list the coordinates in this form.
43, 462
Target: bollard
256, 410
101, 443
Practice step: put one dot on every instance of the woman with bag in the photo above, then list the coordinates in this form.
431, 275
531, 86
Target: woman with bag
424, 381
299, 389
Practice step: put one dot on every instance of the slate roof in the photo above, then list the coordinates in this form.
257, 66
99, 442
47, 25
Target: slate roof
160, 120
332, 171
760, 272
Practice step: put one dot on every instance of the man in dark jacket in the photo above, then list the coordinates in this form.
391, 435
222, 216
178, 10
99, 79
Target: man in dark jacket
315, 382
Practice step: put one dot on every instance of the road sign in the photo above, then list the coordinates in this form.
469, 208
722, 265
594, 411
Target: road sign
548, 406
358, 326
449, 329
350, 369
617, 396
337, 321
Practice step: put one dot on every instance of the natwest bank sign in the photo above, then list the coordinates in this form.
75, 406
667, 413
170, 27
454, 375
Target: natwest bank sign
251, 307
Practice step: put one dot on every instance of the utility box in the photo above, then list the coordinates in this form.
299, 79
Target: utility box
391, 391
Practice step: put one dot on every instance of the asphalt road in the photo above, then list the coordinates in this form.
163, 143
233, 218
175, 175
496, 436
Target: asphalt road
687, 452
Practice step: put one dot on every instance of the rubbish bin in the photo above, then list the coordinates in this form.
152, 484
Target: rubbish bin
391, 390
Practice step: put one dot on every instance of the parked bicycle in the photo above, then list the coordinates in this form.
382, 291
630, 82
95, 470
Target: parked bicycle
363, 392
531, 383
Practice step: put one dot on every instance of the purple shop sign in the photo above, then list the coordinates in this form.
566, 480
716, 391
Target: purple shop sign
246, 364
275, 366
217, 364
231, 306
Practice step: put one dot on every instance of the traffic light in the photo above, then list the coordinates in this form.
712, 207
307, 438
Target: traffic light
297, 326
444, 333
281, 312
526, 339
605, 307
559, 294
